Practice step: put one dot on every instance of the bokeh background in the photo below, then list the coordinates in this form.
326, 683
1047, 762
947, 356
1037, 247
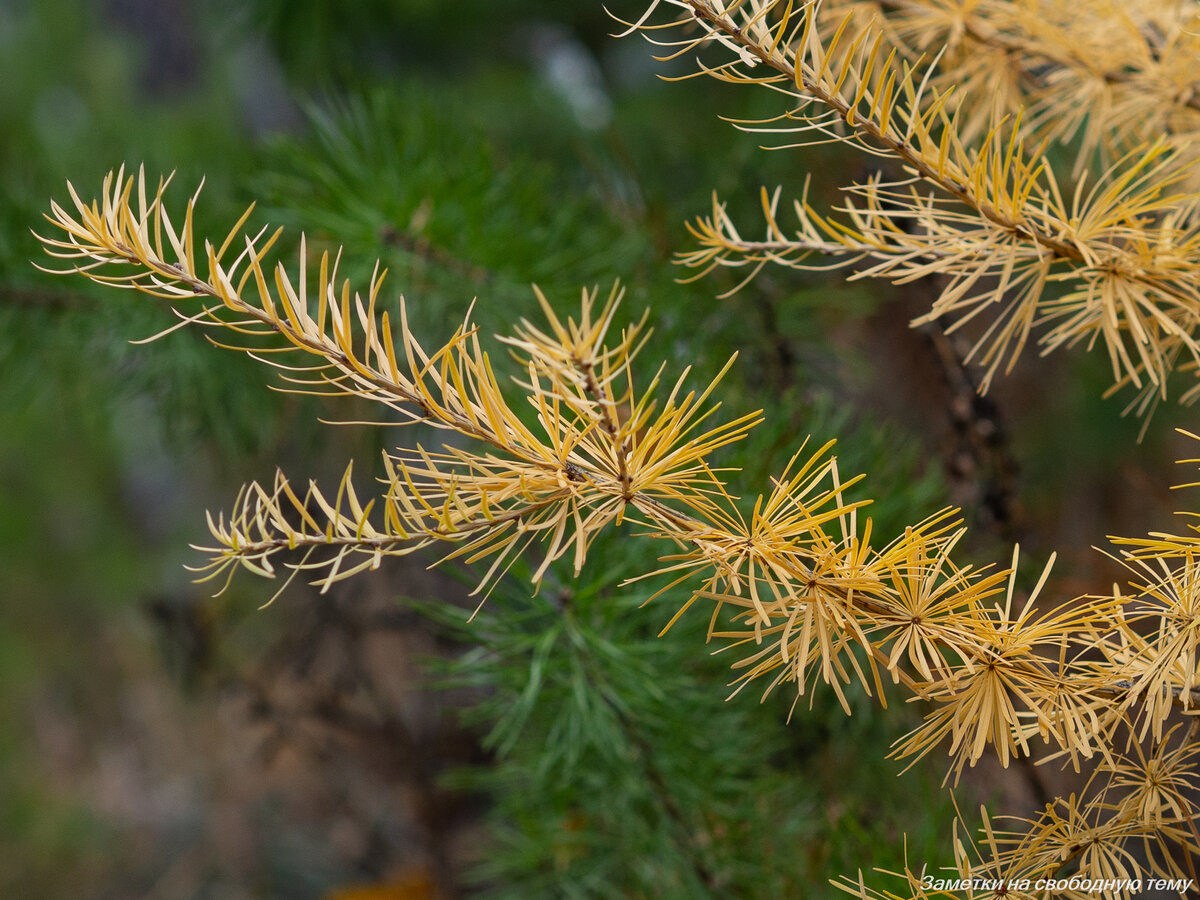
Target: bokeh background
156, 742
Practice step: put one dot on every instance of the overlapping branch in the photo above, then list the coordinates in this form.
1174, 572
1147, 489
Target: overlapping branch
1113, 262
1106, 73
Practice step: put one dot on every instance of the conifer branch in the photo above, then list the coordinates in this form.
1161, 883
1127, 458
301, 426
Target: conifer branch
807, 603
1001, 230
795, 586
1108, 71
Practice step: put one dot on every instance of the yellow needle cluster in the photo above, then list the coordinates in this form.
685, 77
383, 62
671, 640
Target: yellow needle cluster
574, 444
